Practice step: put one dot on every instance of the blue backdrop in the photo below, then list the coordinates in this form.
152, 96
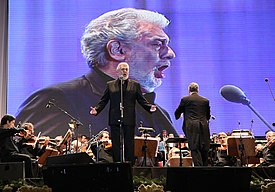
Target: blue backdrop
216, 43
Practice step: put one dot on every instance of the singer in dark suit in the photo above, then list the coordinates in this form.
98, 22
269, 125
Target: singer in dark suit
196, 110
122, 115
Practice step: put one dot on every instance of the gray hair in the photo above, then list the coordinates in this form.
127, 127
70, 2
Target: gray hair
121, 24
119, 65
193, 87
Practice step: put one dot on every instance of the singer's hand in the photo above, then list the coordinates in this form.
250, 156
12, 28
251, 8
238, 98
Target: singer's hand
153, 108
93, 111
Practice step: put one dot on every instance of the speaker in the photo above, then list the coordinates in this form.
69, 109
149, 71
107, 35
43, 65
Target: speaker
12, 170
76, 158
226, 179
98, 177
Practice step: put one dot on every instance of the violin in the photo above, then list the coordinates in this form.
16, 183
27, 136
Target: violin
22, 132
222, 148
107, 144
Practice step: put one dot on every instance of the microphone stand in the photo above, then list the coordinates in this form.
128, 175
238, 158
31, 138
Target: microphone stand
266, 80
95, 139
144, 150
121, 122
76, 123
241, 148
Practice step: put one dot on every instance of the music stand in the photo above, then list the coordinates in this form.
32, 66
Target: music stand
241, 147
145, 131
178, 140
145, 147
66, 140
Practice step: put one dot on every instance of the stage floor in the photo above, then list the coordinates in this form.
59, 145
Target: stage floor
86, 177
122, 177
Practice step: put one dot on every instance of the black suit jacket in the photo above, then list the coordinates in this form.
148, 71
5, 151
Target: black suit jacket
7, 144
131, 94
196, 112
76, 97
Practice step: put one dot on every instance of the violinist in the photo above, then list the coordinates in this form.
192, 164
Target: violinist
105, 148
9, 147
30, 144
267, 152
80, 144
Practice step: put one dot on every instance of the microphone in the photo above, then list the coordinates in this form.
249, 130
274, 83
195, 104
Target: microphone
50, 103
213, 117
266, 80
251, 130
234, 94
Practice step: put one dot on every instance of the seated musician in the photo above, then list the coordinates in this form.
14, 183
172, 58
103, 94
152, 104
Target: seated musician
223, 158
104, 149
30, 144
214, 138
80, 144
175, 150
8, 146
63, 144
267, 152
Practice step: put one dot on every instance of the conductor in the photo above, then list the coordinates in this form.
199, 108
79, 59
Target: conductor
196, 112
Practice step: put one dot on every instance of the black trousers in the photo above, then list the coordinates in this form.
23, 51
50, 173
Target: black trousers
129, 145
199, 157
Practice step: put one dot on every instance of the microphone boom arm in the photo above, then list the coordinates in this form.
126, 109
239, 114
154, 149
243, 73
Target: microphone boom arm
261, 117
77, 122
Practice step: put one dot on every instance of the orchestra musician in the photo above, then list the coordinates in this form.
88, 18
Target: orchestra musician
162, 147
60, 147
267, 152
82, 145
9, 151
104, 150
30, 144
223, 158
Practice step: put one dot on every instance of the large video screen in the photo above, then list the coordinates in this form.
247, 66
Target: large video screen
216, 43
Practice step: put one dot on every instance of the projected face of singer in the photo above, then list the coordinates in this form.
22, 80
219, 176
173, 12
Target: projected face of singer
149, 56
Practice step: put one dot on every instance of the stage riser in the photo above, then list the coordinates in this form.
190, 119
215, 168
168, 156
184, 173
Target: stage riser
225, 179
118, 177
91, 177
12, 171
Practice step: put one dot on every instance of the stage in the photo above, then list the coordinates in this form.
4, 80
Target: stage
122, 177
106, 177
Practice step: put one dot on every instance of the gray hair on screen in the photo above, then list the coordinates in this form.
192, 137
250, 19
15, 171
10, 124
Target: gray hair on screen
121, 24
